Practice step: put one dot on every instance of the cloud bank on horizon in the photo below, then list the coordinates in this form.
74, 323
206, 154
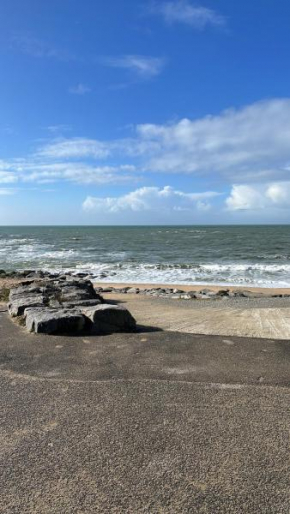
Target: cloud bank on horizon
108, 158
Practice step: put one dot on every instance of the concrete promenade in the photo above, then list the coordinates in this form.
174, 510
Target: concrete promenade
257, 317
153, 422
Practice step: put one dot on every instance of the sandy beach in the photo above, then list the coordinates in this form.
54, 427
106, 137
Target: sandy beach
197, 287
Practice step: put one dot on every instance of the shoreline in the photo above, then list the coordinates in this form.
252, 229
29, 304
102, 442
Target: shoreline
193, 287
9, 281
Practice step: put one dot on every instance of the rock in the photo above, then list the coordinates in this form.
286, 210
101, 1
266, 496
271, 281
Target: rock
107, 319
34, 274
82, 303
200, 296
178, 291
66, 306
22, 291
53, 321
17, 306
192, 294
55, 304
207, 292
223, 292
133, 290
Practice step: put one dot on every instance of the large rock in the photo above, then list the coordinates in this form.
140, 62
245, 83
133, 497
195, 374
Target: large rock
17, 306
54, 321
22, 291
82, 303
76, 291
107, 319
67, 306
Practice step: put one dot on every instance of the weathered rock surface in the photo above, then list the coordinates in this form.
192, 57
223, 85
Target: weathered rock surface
107, 318
66, 305
53, 321
17, 306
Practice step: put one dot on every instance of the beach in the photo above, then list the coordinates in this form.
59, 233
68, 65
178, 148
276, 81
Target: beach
265, 291
232, 311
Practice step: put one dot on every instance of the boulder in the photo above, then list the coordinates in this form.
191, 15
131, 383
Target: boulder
17, 306
20, 292
82, 303
107, 319
54, 321
133, 290
53, 306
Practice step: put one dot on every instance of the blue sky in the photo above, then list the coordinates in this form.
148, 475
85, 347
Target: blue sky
150, 112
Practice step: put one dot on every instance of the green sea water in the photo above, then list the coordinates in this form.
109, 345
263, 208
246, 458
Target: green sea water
241, 255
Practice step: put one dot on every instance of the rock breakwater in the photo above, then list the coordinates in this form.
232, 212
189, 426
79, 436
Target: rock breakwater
66, 305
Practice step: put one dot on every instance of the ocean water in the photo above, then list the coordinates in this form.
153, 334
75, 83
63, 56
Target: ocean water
238, 255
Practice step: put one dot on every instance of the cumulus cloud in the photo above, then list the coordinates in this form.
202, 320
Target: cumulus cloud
239, 146
259, 196
247, 144
183, 11
238, 143
144, 66
151, 198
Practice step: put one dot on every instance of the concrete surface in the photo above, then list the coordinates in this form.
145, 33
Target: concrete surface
262, 318
153, 422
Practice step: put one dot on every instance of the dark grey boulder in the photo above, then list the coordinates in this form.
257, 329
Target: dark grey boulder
54, 306
82, 303
54, 321
107, 318
19, 292
17, 306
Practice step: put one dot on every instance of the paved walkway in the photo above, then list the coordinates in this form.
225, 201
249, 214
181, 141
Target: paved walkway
153, 422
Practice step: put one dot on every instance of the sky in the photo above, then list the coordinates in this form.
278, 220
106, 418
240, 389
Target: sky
144, 112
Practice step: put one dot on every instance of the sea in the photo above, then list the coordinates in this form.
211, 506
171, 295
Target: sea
222, 255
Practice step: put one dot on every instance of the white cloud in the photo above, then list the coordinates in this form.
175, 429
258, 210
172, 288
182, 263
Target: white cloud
144, 66
150, 198
43, 169
56, 129
78, 173
239, 144
80, 89
7, 177
75, 148
247, 146
183, 11
6, 192
259, 196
